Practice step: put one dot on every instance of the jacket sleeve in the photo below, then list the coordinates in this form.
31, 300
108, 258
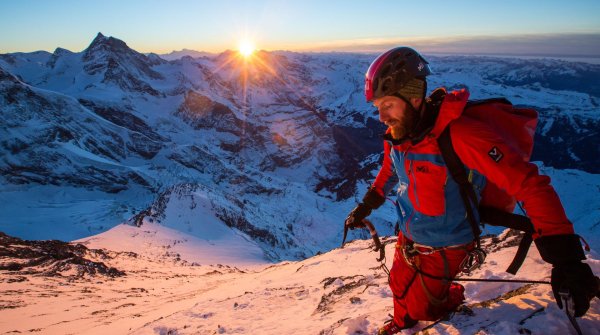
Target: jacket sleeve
481, 149
386, 172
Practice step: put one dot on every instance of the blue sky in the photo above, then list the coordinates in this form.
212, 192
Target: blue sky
443, 26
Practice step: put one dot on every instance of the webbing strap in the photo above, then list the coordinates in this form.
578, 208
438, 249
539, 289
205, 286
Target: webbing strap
521, 254
496, 217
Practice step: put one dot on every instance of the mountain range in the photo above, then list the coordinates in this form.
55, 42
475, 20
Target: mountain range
277, 147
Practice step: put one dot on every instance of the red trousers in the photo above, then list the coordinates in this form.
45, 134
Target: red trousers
417, 296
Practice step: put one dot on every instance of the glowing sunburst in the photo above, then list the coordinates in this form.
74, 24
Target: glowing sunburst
246, 48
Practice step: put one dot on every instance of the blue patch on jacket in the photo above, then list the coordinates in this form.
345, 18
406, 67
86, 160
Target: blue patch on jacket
450, 228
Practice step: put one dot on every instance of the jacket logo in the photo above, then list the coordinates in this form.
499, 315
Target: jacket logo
496, 154
423, 169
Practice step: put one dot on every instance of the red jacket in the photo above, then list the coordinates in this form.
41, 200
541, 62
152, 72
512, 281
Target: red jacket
433, 196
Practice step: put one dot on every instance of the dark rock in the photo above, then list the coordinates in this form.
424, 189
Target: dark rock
203, 113
52, 258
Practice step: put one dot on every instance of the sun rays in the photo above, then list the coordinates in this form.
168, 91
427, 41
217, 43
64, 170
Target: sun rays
246, 48
251, 68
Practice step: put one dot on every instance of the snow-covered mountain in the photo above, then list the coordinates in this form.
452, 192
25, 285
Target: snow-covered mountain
276, 148
174, 55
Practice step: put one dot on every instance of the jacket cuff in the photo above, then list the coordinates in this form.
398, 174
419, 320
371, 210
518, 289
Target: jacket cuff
560, 249
373, 199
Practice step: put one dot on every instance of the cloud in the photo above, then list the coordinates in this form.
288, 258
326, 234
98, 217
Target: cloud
582, 45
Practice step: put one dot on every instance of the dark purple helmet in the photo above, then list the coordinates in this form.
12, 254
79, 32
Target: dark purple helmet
392, 70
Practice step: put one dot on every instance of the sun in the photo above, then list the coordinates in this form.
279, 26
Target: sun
246, 48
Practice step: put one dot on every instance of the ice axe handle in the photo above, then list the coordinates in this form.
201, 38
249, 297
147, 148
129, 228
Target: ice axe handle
569, 305
378, 246
345, 234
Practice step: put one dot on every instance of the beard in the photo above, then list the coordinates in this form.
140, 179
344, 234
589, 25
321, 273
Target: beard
402, 128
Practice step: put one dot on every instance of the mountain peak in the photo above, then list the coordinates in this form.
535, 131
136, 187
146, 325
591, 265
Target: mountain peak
103, 43
60, 51
99, 39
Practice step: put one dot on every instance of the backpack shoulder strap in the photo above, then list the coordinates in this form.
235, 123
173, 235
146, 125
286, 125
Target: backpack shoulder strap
459, 175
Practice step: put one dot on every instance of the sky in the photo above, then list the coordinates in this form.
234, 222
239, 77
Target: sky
462, 26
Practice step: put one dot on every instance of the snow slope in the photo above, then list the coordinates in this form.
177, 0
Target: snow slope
222, 244
339, 292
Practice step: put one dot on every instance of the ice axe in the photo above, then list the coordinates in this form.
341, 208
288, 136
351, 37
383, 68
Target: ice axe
374, 235
567, 301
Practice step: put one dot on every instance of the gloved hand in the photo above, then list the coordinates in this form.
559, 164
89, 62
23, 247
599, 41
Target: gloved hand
372, 200
354, 219
577, 278
565, 254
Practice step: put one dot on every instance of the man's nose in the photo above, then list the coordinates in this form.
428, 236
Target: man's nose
382, 117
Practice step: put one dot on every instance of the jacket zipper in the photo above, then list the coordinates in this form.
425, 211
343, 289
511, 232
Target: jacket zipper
414, 179
398, 160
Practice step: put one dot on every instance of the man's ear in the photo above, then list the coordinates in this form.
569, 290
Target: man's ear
416, 102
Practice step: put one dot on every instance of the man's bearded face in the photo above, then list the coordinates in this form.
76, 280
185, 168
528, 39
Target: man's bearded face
395, 114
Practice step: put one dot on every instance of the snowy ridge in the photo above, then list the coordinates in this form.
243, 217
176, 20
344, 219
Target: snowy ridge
339, 292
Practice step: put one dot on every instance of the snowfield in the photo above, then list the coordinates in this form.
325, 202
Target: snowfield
174, 285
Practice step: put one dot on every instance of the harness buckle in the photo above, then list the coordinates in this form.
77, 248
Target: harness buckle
408, 252
425, 250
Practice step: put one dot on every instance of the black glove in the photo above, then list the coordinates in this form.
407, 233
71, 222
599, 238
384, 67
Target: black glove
354, 219
569, 274
579, 281
372, 200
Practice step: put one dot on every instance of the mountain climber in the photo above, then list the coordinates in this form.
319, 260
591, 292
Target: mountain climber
436, 238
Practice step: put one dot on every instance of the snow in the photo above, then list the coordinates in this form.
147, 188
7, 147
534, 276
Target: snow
65, 213
339, 292
84, 154
223, 246
578, 191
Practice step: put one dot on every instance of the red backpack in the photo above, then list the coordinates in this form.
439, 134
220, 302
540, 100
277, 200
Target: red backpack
517, 127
